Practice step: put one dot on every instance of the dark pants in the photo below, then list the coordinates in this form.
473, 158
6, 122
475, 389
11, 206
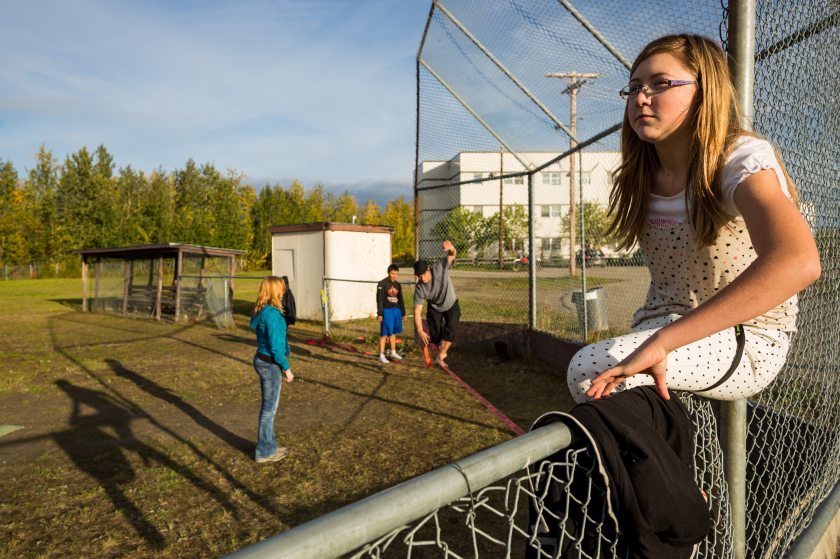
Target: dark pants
442, 325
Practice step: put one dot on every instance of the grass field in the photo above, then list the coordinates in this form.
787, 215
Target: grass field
138, 436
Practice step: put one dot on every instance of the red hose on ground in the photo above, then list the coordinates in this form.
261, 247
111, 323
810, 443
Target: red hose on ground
490, 407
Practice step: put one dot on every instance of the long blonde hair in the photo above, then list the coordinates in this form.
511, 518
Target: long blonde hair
271, 293
715, 121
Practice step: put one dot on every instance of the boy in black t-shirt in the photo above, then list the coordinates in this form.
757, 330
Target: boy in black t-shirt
390, 312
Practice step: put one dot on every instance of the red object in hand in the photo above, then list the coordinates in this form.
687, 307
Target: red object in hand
428, 357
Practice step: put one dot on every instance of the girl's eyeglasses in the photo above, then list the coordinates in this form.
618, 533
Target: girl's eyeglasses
650, 90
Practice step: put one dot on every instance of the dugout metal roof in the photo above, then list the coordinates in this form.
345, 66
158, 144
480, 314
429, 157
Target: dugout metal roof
150, 251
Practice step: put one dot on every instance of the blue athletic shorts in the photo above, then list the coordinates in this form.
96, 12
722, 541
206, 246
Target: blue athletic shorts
391, 322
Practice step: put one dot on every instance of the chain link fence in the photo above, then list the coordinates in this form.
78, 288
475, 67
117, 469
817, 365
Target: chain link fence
37, 270
517, 115
507, 91
130, 287
794, 443
517, 137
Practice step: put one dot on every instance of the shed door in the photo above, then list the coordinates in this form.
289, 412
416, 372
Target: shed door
284, 262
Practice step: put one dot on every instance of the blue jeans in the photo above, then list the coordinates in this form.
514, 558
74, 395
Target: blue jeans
271, 378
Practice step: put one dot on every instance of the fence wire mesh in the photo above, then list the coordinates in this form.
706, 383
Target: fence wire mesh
490, 121
519, 516
794, 442
130, 287
506, 88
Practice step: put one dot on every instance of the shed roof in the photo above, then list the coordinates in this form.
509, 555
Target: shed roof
329, 226
148, 251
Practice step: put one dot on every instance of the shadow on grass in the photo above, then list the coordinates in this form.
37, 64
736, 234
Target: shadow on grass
75, 304
165, 395
95, 451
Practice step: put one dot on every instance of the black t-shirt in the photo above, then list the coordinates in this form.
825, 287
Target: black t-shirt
389, 296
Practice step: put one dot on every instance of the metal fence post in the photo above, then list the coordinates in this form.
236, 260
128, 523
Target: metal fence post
532, 270
325, 305
741, 45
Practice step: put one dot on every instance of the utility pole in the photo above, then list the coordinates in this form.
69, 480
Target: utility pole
576, 81
501, 205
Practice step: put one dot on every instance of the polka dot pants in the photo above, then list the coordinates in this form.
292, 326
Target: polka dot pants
693, 367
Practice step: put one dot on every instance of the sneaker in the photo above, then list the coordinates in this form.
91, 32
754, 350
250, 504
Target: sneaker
395, 355
278, 455
383, 359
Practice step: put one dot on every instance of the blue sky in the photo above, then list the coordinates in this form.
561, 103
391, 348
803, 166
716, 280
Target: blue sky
315, 90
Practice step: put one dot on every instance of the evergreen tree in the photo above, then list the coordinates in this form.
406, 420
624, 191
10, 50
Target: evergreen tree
105, 214
76, 201
157, 210
193, 223
260, 249
315, 205
46, 236
131, 189
345, 208
13, 247
296, 204
231, 206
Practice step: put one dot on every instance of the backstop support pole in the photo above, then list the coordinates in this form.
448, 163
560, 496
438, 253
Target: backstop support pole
741, 45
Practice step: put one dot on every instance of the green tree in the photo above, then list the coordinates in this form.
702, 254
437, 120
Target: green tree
596, 222
465, 228
193, 222
315, 205
130, 189
231, 206
76, 201
344, 208
260, 248
105, 214
371, 214
46, 235
157, 212
296, 204
13, 247
399, 215
515, 232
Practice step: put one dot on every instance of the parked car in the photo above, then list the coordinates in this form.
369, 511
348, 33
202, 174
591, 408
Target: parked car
594, 257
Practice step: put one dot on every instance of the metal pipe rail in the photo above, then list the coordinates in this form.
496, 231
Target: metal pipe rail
354, 525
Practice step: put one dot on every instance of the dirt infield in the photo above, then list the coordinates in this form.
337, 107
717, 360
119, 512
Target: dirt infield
138, 436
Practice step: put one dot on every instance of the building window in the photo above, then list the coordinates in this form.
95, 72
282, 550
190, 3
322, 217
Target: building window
515, 180
550, 211
551, 177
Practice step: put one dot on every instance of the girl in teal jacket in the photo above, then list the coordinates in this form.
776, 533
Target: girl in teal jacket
271, 362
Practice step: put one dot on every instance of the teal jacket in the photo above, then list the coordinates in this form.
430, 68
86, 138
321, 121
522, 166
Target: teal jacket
270, 327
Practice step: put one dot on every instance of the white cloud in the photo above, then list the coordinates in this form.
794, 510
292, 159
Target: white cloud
304, 88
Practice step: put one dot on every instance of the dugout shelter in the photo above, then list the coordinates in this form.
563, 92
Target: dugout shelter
184, 281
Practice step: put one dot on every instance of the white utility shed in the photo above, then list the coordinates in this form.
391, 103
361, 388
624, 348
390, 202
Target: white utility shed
350, 259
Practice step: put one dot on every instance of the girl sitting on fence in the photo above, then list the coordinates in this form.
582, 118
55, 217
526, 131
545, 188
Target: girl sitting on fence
716, 217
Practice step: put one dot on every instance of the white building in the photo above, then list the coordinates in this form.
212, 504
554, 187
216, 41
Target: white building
348, 259
551, 190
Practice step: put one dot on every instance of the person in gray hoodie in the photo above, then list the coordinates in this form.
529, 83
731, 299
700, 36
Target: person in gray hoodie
271, 362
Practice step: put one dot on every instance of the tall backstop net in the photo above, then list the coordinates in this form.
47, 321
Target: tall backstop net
518, 116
